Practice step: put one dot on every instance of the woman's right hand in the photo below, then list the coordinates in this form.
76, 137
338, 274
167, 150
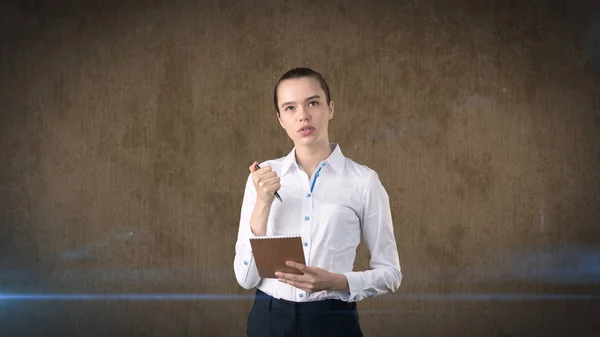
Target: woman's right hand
266, 183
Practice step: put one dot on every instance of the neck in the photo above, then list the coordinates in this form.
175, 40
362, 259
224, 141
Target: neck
309, 157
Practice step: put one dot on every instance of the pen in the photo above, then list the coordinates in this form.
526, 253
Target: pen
276, 194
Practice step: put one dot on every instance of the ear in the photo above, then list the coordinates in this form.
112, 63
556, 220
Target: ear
279, 119
331, 110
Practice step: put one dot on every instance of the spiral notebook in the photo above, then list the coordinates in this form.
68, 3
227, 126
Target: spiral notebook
271, 253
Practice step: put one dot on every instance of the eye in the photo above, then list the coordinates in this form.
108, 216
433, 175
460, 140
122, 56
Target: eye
287, 108
313, 103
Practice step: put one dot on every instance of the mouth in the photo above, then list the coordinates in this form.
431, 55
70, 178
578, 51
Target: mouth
306, 131
306, 128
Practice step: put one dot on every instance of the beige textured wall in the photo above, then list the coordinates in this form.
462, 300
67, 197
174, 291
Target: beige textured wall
127, 130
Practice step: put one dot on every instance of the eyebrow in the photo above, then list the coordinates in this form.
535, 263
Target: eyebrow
307, 99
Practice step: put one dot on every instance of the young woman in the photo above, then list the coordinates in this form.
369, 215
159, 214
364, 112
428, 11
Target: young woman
329, 200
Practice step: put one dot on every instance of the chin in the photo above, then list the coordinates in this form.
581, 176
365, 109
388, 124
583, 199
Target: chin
306, 141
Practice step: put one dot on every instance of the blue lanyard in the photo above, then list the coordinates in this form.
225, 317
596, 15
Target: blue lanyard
315, 179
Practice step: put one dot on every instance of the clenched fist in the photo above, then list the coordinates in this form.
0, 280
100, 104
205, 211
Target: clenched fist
266, 183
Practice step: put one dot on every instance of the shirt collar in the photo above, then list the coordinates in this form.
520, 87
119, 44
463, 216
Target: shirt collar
336, 160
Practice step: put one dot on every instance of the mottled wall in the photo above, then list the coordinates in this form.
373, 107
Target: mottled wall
127, 130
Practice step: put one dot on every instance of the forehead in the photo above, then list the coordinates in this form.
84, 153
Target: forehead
298, 89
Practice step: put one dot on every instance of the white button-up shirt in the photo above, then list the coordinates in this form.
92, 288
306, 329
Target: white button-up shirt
342, 201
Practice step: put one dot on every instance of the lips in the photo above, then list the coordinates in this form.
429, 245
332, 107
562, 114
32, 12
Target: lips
305, 128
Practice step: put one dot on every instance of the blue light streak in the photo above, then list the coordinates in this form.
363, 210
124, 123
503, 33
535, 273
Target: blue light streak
219, 297
127, 297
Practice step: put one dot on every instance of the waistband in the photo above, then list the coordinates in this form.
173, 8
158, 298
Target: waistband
328, 306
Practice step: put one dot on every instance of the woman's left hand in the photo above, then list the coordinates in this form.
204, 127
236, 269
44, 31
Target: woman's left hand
314, 279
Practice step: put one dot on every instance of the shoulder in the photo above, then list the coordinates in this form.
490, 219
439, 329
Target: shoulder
358, 171
367, 179
276, 164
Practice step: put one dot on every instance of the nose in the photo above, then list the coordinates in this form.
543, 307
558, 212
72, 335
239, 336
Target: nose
302, 115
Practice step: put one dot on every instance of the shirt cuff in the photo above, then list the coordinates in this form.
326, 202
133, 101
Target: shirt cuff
356, 285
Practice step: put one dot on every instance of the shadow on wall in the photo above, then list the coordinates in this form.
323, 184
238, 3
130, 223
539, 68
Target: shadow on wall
558, 264
593, 45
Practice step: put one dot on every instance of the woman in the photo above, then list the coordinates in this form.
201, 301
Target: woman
329, 200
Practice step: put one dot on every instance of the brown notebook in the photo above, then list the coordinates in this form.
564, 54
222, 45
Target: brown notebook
271, 253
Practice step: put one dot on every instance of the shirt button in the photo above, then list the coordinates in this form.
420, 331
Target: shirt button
306, 218
308, 195
305, 244
323, 164
355, 297
301, 295
246, 262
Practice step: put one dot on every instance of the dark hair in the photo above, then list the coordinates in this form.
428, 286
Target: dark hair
299, 73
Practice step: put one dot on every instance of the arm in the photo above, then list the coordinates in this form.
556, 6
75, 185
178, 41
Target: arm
385, 275
253, 222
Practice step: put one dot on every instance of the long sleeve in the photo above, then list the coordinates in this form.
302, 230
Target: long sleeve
243, 264
385, 275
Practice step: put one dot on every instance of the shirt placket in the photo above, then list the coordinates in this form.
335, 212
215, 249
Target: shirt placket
307, 221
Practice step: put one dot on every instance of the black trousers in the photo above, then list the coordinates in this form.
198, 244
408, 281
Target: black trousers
271, 317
